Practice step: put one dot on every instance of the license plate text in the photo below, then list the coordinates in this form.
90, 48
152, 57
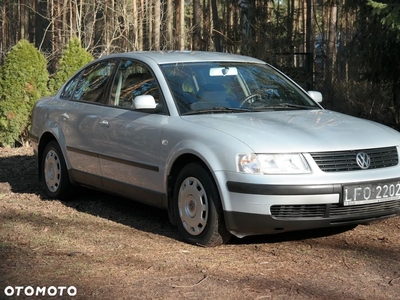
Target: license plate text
370, 193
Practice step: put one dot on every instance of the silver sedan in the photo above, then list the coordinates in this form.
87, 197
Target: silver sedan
227, 144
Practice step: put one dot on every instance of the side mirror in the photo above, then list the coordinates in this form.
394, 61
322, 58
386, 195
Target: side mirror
144, 102
316, 96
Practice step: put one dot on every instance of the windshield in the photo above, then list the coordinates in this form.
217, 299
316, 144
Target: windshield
220, 87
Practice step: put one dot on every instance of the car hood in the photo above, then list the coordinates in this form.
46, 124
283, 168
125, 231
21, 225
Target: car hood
300, 130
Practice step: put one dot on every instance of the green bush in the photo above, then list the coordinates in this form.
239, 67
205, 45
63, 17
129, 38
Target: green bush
23, 80
74, 57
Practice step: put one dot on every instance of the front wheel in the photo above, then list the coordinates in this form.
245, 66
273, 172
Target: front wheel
198, 208
54, 172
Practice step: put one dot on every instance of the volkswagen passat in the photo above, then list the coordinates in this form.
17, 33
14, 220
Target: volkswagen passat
227, 144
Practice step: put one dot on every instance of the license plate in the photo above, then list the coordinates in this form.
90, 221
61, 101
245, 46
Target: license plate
370, 193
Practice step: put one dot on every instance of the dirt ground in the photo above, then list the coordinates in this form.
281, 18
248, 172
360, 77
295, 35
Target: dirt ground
110, 248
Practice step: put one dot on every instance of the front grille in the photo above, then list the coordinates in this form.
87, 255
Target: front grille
298, 211
337, 161
334, 211
368, 209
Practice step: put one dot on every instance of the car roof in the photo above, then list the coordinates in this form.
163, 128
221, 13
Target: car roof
167, 57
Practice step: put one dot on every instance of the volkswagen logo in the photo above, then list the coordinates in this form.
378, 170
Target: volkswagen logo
363, 160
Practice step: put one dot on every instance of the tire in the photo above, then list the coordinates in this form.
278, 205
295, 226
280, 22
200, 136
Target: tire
197, 207
54, 173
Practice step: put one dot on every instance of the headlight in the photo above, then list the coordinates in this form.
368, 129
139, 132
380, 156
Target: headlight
248, 163
272, 164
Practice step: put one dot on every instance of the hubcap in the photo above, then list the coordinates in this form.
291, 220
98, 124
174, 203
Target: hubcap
52, 171
193, 206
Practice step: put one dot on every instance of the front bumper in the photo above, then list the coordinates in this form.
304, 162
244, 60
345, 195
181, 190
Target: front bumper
268, 209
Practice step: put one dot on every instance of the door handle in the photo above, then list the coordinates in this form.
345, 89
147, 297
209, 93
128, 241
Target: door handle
104, 123
65, 116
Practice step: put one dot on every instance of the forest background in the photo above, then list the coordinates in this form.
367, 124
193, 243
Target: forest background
347, 49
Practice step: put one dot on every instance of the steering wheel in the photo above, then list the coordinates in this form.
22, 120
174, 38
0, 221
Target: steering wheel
249, 98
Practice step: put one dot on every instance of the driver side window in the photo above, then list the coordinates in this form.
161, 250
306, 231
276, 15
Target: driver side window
132, 79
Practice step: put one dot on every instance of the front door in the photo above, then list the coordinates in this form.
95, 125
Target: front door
130, 156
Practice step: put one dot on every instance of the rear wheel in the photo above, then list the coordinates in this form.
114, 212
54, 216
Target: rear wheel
197, 207
54, 172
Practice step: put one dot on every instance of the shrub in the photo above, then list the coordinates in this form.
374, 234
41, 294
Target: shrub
23, 80
73, 58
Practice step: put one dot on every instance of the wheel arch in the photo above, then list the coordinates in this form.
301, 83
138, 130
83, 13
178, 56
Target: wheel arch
44, 140
177, 166
216, 219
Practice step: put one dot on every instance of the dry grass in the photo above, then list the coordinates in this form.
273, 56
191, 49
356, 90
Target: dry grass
111, 248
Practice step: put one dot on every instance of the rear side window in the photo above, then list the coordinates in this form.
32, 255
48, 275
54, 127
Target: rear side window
90, 84
69, 88
93, 81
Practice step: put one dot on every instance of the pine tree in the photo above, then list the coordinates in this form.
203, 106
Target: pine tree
23, 80
73, 58
388, 12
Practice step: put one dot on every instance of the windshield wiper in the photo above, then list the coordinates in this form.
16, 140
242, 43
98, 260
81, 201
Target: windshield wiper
290, 105
214, 110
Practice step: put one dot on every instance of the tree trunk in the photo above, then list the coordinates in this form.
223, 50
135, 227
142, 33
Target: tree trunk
135, 25
24, 19
41, 26
290, 25
247, 26
180, 24
3, 23
332, 38
149, 24
197, 25
65, 26
309, 44
157, 24
217, 30
169, 24
88, 17
141, 17
230, 27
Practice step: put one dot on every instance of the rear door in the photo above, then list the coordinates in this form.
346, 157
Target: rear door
80, 119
